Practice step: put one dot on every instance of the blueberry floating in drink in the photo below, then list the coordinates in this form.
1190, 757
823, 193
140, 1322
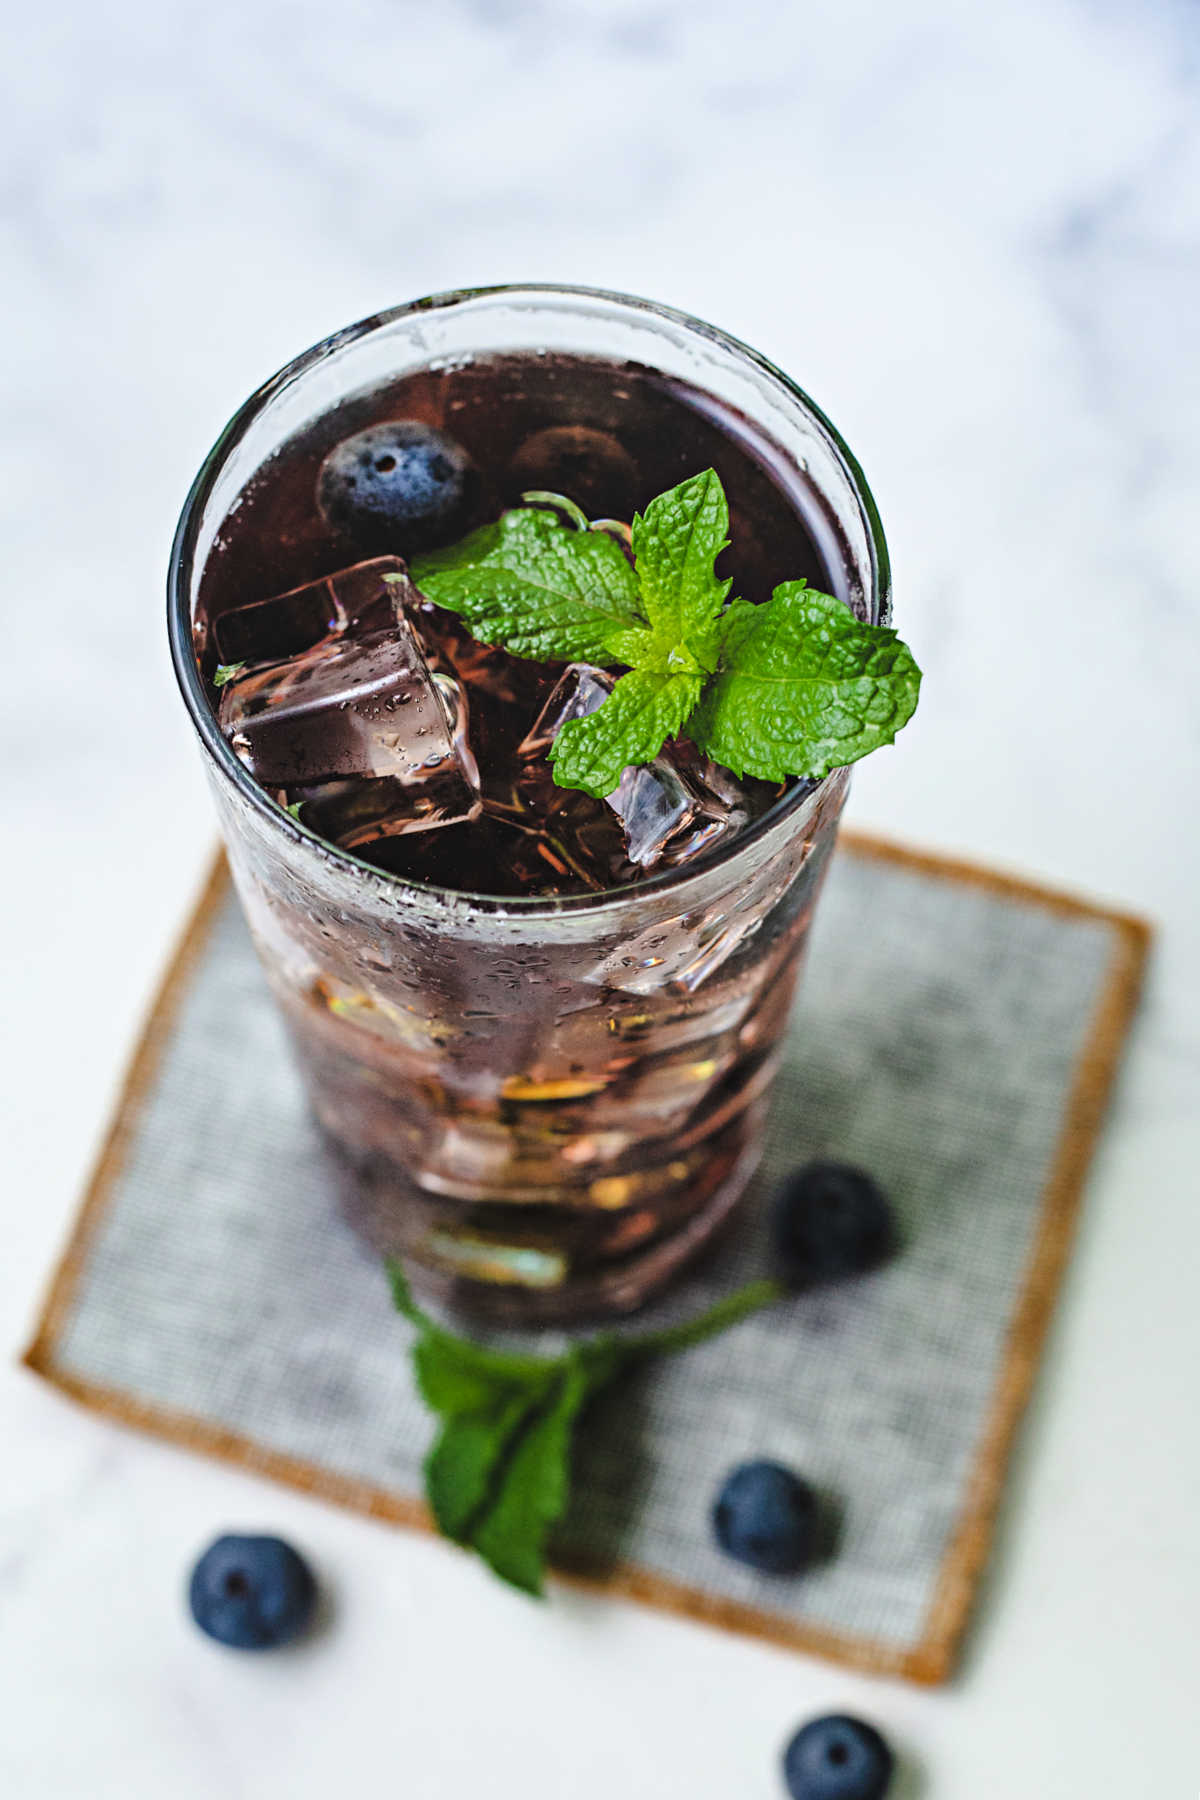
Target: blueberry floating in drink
252, 1593
768, 1517
838, 1758
401, 486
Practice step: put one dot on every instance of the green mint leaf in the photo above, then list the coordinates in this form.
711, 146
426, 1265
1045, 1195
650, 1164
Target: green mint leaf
804, 687
643, 710
535, 586
457, 1377
497, 1475
511, 1534
656, 650
226, 672
465, 1465
675, 544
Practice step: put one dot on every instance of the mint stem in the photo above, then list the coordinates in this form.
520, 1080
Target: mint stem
402, 1298
718, 1318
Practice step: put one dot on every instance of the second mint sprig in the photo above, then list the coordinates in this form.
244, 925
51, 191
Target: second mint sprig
498, 1476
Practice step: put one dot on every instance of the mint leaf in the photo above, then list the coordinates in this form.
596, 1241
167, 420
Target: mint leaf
498, 1476
499, 1461
511, 1533
226, 672
804, 687
675, 544
643, 710
535, 586
485, 1399
642, 648
456, 1377
462, 1470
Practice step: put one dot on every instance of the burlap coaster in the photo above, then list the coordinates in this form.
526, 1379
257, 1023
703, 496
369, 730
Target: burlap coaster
957, 1034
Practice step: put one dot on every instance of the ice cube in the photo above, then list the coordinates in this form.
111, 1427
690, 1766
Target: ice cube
682, 953
352, 726
364, 598
355, 813
580, 691
669, 809
676, 953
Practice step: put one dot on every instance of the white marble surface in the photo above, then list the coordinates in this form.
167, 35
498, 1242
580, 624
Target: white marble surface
973, 232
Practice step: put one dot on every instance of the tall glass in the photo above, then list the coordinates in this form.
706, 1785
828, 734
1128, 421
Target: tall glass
545, 1106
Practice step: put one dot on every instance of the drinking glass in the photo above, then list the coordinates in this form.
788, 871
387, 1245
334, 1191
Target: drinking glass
545, 1107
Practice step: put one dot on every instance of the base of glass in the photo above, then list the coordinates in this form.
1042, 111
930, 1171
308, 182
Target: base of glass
532, 1284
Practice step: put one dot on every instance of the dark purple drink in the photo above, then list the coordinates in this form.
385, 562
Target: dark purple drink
541, 1057
607, 437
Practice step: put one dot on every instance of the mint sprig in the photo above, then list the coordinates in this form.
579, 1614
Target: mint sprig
498, 1477
796, 686
803, 687
535, 586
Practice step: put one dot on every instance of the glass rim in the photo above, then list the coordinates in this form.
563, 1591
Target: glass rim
181, 564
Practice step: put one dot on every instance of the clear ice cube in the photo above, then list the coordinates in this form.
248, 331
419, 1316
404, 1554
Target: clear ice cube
350, 724
364, 598
669, 809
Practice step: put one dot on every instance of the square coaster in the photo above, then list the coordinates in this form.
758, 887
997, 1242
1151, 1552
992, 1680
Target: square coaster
956, 1034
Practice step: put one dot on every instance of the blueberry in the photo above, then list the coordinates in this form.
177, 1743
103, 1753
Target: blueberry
767, 1517
399, 486
829, 1221
588, 466
837, 1758
253, 1593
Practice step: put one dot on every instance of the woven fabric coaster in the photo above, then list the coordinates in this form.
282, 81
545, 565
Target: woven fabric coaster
957, 1034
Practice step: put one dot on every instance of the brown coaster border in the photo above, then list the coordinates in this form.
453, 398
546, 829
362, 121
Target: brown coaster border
931, 1660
